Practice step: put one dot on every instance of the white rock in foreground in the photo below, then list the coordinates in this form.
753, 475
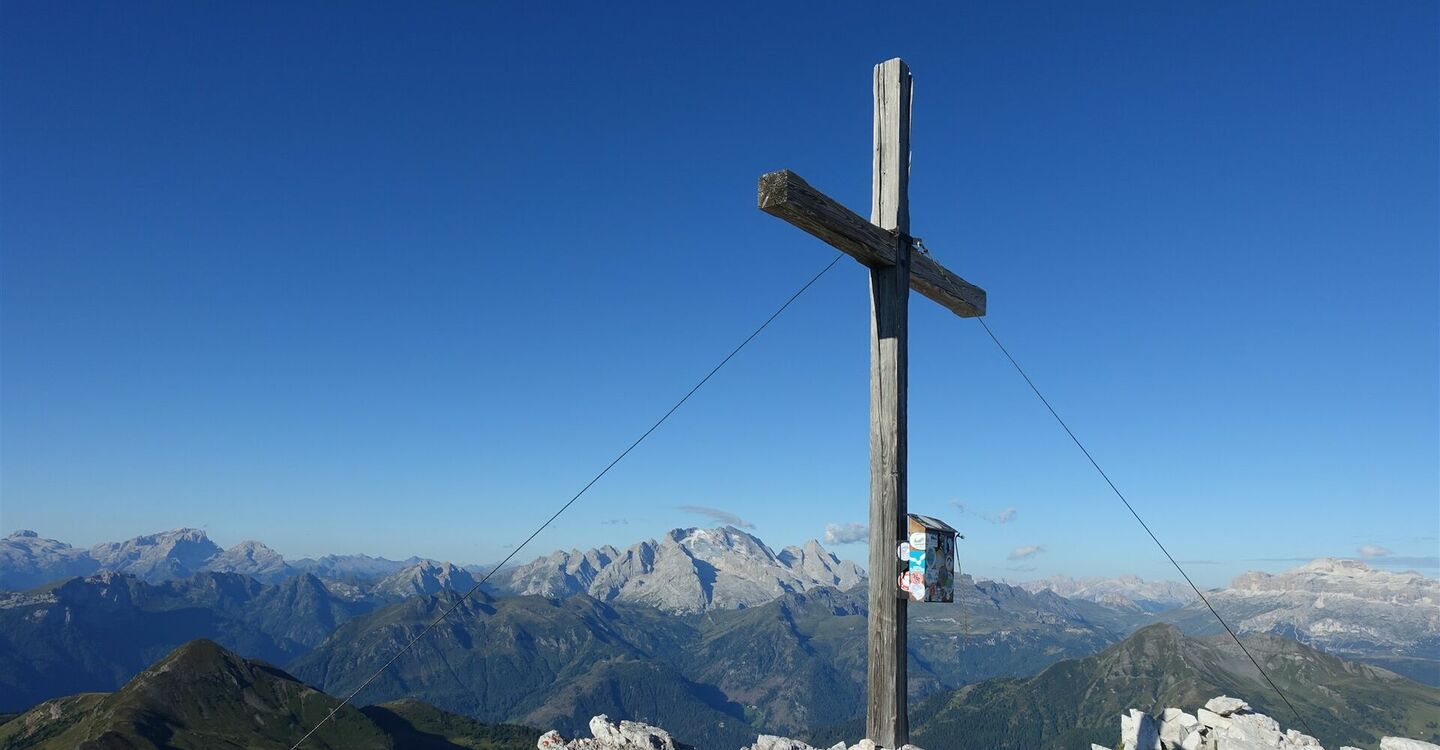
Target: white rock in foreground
1225, 705
1138, 732
772, 742
1206, 730
1211, 720
1400, 743
627, 735
1226, 724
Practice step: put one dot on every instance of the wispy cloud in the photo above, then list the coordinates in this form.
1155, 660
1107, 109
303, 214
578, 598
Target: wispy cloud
1199, 562
615, 522
715, 514
846, 533
1022, 568
1373, 550
1005, 516
1026, 552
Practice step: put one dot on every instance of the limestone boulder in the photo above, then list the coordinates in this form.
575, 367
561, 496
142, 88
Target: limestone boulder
626, 735
1211, 719
1225, 705
1138, 731
772, 742
1175, 726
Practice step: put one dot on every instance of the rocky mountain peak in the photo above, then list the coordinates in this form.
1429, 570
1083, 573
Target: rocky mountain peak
425, 578
24, 534
169, 554
253, 559
720, 543
1342, 606
686, 570
1345, 578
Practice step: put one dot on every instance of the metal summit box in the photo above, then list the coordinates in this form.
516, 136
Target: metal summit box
929, 551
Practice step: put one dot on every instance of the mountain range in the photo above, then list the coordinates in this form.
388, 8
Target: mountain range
791, 663
203, 696
1343, 607
1119, 591
708, 625
28, 560
686, 570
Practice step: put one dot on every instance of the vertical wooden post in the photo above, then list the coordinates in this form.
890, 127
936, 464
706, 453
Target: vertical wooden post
886, 719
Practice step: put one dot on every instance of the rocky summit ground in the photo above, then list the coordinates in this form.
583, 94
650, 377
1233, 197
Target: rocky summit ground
1224, 723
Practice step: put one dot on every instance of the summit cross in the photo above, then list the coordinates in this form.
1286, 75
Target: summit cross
885, 246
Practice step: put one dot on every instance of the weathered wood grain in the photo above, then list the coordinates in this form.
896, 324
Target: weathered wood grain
887, 712
786, 195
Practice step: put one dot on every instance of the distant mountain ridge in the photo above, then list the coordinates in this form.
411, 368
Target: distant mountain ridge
1341, 606
28, 560
686, 570
1117, 591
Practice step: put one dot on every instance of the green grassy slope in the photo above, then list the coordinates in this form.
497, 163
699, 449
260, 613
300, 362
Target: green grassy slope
202, 697
1075, 702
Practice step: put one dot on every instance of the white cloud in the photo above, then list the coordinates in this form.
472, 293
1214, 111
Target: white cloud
1373, 550
846, 533
1026, 552
723, 516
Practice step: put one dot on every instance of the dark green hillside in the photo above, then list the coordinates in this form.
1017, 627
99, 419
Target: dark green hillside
1075, 702
531, 660
781, 667
491, 659
414, 725
202, 697
646, 691
94, 634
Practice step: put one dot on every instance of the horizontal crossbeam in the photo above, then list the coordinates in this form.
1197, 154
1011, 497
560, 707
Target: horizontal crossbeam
785, 195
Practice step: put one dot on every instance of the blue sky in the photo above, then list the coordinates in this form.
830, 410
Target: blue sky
399, 278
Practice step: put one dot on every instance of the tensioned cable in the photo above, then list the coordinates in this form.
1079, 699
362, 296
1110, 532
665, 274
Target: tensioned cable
1143, 525
570, 502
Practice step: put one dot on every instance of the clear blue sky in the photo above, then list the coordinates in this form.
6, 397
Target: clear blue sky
399, 278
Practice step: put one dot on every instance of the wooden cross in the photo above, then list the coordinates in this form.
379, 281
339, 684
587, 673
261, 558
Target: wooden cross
883, 245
